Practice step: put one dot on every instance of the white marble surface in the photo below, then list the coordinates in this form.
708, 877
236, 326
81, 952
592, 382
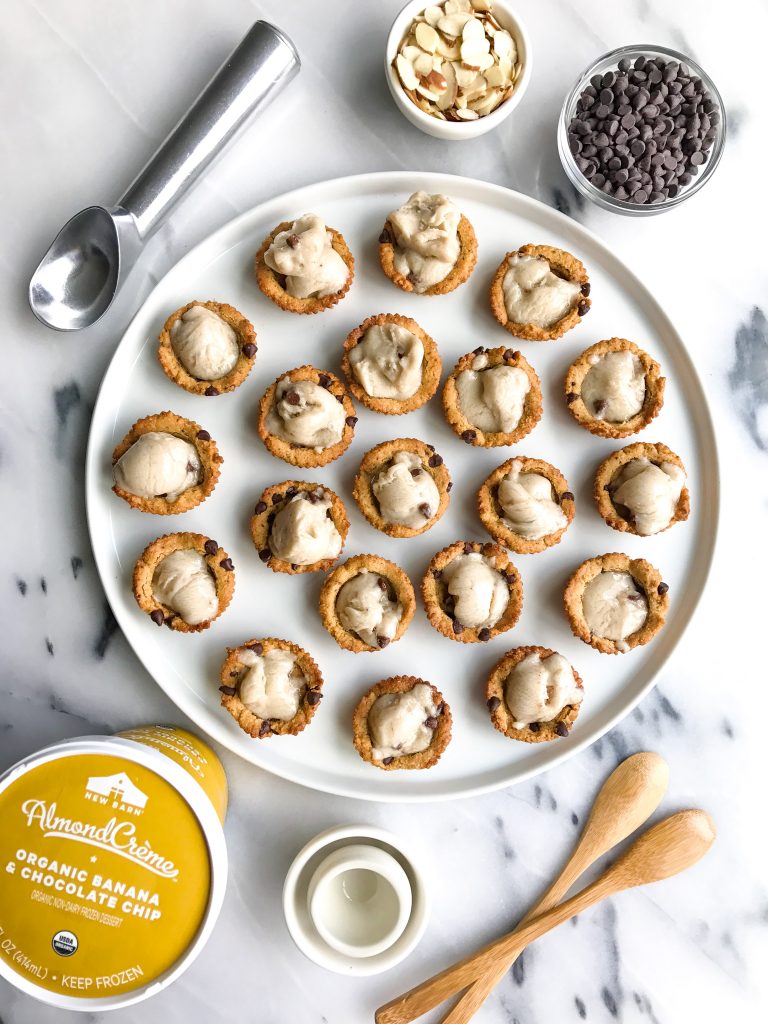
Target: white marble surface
86, 92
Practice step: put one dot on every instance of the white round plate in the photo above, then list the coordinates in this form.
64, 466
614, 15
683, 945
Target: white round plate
267, 604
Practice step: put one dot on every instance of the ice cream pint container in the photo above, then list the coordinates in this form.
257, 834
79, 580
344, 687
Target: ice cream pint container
112, 865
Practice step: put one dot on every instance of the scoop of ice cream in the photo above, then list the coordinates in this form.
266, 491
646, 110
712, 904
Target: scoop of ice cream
405, 491
158, 464
182, 581
426, 239
613, 388
271, 687
204, 343
492, 398
537, 689
305, 414
533, 294
387, 361
649, 492
302, 532
365, 608
397, 722
529, 505
305, 256
613, 606
480, 592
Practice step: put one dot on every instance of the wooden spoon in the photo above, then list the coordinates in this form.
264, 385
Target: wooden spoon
628, 797
667, 848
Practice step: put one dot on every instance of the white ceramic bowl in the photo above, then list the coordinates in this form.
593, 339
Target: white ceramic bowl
296, 900
457, 131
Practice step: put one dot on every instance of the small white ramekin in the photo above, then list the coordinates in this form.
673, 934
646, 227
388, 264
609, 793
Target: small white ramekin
457, 131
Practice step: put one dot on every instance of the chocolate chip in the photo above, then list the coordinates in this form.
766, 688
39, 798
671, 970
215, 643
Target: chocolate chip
425, 510
534, 726
449, 487
294, 566
435, 461
437, 573
276, 498
265, 729
293, 398
291, 492
324, 380
157, 617
227, 564
561, 729
351, 421
430, 446
484, 634
293, 241
510, 355
468, 548
388, 760
583, 308
600, 406
228, 691
662, 589
457, 627
210, 391
586, 288
249, 350
567, 496
169, 619
571, 397
211, 547
261, 506
478, 351
510, 577
493, 703
257, 648
339, 398
431, 722
203, 435
468, 436
313, 697
191, 468
265, 554
415, 473
311, 497
385, 237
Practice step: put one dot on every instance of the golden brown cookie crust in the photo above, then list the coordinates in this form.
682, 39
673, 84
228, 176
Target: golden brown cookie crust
654, 390
647, 578
467, 431
432, 593
430, 370
537, 732
458, 274
272, 284
425, 758
561, 263
402, 591
272, 500
210, 460
296, 455
246, 339
376, 459
607, 470
232, 672
492, 515
219, 565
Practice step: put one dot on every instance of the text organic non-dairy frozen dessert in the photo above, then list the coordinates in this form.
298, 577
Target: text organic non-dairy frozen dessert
112, 865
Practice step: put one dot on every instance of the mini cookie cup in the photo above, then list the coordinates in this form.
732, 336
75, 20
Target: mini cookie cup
646, 577
175, 371
467, 431
272, 500
232, 672
272, 284
401, 586
188, 430
219, 565
376, 459
492, 514
607, 470
563, 265
501, 717
433, 593
654, 390
430, 371
457, 275
297, 455
424, 758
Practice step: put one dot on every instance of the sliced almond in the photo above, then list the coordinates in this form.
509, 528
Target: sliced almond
506, 69
471, 55
449, 49
473, 30
452, 25
426, 37
464, 5
451, 7
461, 101
449, 96
411, 52
467, 115
503, 46
406, 73
432, 15
437, 82
495, 77
482, 5
426, 92
477, 88
485, 104
464, 76
423, 63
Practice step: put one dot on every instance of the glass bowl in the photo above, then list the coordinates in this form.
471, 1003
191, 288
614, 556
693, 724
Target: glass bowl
606, 63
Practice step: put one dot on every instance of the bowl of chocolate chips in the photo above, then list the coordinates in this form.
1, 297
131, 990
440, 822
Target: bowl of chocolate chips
642, 130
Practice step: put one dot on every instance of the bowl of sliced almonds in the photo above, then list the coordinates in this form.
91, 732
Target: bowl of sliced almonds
458, 68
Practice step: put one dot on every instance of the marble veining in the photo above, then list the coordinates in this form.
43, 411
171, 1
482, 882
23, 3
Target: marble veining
86, 92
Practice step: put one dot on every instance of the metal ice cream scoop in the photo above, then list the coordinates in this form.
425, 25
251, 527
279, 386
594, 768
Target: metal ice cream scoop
89, 259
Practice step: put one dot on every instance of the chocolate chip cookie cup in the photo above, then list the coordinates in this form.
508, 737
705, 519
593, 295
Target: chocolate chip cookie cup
615, 603
533, 695
472, 592
642, 489
402, 723
539, 292
427, 246
391, 364
492, 397
306, 418
299, 527
402, 487
303, 266
184, 581
614, 389
165, 465
367, 603
270, 687
526, 505
207, 348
